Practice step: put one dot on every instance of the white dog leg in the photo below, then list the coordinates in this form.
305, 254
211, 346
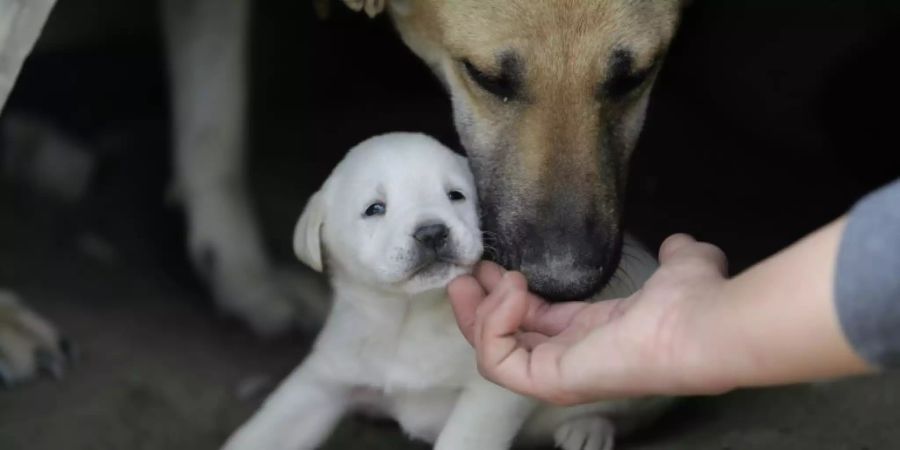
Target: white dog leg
206, 45
299, 415
486, 417
21, 22
28, 343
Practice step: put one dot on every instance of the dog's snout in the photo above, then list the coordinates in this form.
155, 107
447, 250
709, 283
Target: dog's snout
433, 236
569, 266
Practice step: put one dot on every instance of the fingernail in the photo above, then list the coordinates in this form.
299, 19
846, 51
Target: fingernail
68, 349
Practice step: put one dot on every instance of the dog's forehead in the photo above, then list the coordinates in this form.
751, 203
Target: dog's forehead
481, 29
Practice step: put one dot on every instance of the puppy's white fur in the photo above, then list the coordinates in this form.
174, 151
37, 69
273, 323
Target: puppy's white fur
391, 344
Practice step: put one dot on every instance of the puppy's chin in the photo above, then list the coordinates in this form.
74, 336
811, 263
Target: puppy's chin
433, 276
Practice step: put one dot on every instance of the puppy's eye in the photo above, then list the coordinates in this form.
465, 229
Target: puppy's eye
375, 209
504, 86
456, 196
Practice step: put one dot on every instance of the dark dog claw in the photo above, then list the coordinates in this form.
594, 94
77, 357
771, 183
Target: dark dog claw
49, 362
68, 349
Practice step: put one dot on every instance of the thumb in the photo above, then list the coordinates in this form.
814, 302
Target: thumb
683, 248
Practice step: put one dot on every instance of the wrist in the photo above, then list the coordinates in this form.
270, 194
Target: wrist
730, 355
708, 357
736, 344
775, 323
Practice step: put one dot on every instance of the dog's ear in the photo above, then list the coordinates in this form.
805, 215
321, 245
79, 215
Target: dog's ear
308, 232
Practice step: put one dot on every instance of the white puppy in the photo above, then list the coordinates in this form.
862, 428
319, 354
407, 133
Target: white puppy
392, 225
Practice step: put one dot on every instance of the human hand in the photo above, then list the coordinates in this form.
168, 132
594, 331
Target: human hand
650, 343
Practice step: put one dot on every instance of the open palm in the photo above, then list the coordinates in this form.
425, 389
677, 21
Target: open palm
577, 351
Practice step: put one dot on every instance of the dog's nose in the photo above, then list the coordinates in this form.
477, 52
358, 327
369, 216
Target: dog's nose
433, 236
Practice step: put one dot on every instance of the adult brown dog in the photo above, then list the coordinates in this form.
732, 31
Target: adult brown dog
549, 98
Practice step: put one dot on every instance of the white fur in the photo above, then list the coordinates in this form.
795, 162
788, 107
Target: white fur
22, 332
391, 343
21, 22
206, 43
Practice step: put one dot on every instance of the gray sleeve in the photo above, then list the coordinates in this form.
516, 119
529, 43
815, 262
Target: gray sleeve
867, 277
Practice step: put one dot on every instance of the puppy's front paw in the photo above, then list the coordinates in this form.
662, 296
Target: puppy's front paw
28, 343
586, 433
371, 7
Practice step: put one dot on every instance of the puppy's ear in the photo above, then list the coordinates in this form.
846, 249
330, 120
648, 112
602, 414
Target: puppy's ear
308, 232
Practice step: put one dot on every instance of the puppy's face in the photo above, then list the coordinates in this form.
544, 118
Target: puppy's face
400, 212
548, 98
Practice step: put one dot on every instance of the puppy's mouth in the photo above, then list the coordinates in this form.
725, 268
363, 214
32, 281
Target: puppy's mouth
433, 264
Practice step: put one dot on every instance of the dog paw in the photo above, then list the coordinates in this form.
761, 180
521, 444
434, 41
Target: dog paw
269, 301
227, 250
253, 296
29, 344
585, 433
371, 7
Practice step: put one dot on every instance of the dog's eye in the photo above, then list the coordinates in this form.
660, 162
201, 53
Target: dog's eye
620, 86
375, 209
456, 196
504, 86
623, 79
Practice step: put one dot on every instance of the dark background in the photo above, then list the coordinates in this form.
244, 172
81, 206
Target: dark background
768, 116
768, 120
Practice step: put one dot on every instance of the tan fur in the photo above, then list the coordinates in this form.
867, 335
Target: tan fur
555, 157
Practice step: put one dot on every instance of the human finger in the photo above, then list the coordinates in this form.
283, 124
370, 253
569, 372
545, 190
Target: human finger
466, 294
489, 274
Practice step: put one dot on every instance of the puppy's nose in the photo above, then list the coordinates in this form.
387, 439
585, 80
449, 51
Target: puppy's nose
433, 236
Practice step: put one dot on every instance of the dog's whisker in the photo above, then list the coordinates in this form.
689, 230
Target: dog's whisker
628, 277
